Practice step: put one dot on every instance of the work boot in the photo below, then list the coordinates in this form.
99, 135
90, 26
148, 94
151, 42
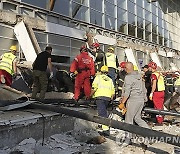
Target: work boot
3, 81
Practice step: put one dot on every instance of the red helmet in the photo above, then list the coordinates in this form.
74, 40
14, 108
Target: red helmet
122, 64
95, 45
83, 48
153, 65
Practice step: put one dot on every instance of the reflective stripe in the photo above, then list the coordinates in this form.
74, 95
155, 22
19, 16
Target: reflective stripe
111, 60
160, 81
7, 62
177, 82
103, 86
76, 59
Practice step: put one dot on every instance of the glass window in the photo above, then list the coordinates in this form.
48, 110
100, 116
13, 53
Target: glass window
109, 8
96, 18
159, 22
58, 40
36, 3
110, 22
139, 32
97, 5
148, 35
147, 5
6, 32
154, 9
131, 29
154, 28
131, 7
122, 14
154, 38
41, 37
122, 26
154, 19
79, 11
60, 50
147, 25
139, 2
148, 16
161, 40
121, 3
84, 2
62, 7
160, 31
139, 11
131, 18
140, 22
76, 43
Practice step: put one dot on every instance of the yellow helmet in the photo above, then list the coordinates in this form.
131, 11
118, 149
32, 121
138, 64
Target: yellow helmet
13, 48
104, 68
111, 48
135, 68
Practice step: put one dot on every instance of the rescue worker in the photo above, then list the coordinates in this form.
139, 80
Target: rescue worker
112, 63
120, 78
147, 79
169, 83
134, 95
40, 80
103, 91
100, 58
8, 68
157, 91
83, 68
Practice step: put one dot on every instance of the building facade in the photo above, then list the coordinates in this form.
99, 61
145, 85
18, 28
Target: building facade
152, 23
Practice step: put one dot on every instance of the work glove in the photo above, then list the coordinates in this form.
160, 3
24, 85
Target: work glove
151, 96
121, 106
92, 77
51, 75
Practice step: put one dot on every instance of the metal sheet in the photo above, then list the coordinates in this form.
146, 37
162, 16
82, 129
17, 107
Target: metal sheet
25, 42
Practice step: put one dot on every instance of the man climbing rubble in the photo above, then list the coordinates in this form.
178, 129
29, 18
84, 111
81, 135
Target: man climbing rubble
82, 68
134, 97
112, 63
103, 91
8, 68
40, 82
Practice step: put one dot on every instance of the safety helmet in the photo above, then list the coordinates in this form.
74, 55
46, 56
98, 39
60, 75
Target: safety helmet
153, 65
122, 64
111, 48
83, 48
104, 68
13, 48
95, 45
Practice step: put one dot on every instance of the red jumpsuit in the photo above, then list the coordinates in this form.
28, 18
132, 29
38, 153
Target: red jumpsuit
84, 65
158, 100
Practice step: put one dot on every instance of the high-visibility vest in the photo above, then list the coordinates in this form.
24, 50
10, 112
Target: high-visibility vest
177, 82
160, 82
103, 86
7, 62
111, 60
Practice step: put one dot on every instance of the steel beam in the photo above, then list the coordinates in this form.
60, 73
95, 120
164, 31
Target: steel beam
145, 132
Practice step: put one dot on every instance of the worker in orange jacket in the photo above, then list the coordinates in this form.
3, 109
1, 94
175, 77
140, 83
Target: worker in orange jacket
158, 88
83, 68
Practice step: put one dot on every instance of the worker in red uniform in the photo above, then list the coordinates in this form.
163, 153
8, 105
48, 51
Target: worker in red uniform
83, 68
157, 92
8, 68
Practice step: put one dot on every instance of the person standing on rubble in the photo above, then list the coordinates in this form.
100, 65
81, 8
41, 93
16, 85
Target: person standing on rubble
8, 68
134, 95
100, 58
82, 68
103, 91
157, 91
112, 63
120, 78
40, 79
